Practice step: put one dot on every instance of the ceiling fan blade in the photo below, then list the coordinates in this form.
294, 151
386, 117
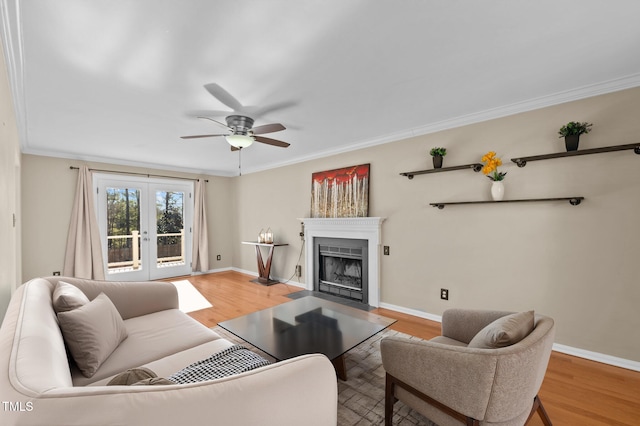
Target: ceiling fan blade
268, 128
270, 141
201, 136
223, 96
235, 148
207, 113
215, 121
260, 111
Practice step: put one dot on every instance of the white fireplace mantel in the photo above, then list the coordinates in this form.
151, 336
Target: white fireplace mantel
362, 228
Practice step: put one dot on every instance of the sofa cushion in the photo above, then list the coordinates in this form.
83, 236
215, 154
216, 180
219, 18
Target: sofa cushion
504, 331
164, 367
151, 337
92, 332
67, 297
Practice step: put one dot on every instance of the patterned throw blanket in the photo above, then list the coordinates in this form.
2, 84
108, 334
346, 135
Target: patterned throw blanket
234, 360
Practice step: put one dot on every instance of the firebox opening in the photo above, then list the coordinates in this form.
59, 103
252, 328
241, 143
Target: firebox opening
341, 266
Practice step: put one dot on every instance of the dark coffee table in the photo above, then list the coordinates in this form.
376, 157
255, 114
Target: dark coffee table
308, 325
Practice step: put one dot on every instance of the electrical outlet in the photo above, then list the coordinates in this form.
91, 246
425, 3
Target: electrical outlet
298, 271
444, 293
218, 257
385, 250
56, 273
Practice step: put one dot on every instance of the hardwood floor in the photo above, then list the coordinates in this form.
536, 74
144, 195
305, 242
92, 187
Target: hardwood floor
575, 391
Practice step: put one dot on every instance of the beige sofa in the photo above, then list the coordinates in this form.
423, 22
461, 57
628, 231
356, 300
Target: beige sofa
38, 386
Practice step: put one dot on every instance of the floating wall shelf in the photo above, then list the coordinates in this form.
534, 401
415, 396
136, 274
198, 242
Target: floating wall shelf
522, 161
476, 168
574, 201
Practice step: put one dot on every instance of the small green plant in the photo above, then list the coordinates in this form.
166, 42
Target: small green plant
574, 128
438, 151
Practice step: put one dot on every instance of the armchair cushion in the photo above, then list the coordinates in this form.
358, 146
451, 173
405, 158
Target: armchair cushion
92, 332
504, 331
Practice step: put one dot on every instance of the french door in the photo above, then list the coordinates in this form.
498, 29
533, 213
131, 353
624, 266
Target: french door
145, 226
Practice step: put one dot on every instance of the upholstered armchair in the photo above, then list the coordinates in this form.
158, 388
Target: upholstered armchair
474, 373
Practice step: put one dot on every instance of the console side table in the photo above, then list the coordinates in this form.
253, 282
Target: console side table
264, 268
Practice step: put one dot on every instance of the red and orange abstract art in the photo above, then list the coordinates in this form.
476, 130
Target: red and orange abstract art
341, 192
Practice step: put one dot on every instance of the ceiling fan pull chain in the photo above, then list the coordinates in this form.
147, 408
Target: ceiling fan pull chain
240, 161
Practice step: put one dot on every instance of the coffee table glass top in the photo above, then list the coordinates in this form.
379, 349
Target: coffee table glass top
307, 325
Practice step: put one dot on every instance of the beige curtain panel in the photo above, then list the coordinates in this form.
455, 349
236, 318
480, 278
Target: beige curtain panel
83, 257
200, 252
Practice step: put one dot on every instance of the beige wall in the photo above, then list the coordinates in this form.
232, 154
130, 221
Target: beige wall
576, 264
48, 187
9, 193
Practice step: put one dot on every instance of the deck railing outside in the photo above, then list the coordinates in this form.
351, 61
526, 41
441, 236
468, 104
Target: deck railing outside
123, 255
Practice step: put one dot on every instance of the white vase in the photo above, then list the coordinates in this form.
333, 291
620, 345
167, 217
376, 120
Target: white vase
497, 190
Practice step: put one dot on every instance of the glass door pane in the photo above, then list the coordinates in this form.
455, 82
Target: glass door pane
123, 230
124, 227
170, 228
172, 231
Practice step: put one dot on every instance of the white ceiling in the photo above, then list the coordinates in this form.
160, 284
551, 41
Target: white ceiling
117, 81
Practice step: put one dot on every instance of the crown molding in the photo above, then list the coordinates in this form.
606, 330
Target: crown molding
584, 92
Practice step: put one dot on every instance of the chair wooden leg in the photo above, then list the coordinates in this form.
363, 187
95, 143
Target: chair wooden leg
543, 413
389, 400
539, 408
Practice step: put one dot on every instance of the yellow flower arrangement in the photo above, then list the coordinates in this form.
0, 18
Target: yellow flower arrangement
491, 166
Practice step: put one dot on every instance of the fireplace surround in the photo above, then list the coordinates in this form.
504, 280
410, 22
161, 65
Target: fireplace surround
361, 228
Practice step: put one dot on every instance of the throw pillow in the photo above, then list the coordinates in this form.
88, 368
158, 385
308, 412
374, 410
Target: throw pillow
67, 297
504, 331
155, 381
132, 376
140, 376
92, 332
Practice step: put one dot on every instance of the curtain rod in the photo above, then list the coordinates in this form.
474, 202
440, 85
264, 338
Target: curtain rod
137, 174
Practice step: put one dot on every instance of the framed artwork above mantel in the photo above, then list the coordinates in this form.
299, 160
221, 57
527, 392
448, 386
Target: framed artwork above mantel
341, 192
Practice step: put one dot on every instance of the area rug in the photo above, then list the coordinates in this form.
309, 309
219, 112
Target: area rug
189, 297
361, 397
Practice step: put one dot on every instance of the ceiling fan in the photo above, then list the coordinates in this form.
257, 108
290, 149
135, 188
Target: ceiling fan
243, 134
239, 124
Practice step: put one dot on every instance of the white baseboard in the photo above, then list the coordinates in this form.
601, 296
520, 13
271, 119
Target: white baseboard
414, 312
254, 274
212, 271
569, 350
598, 357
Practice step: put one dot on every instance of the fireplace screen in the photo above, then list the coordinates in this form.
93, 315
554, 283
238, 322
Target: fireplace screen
341, 267
341, 271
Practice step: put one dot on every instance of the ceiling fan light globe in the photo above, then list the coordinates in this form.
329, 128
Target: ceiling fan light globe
239, 141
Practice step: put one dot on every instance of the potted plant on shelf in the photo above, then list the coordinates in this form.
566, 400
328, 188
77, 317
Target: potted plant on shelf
571, 133
437, 154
